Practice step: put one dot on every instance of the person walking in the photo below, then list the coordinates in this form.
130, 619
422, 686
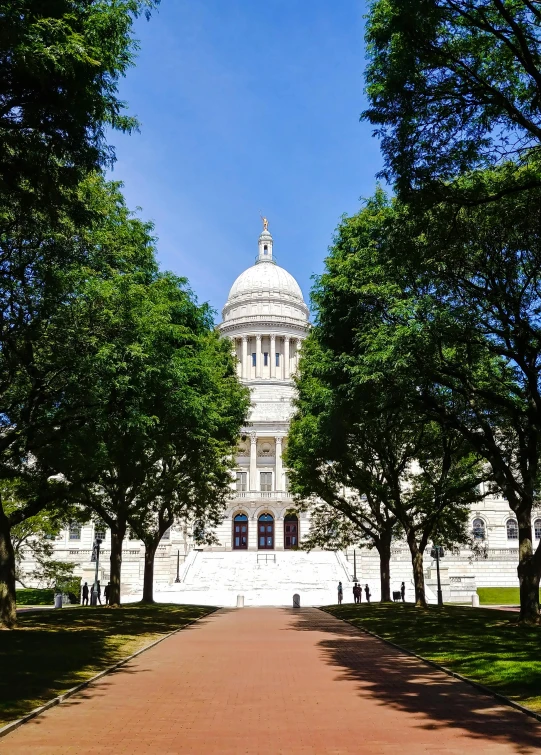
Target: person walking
367, 593
403, 592
85, 594
340, 593
107, 592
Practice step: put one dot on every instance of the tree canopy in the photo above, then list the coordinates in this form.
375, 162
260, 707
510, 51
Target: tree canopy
61, 63
454, 85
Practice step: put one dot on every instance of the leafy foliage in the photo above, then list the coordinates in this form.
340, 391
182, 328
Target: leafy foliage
454, 85
61, 62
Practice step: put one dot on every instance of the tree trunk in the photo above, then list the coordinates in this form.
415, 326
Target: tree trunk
8, 604
418, 572
148, 580
528, 571
384, 550
117, 538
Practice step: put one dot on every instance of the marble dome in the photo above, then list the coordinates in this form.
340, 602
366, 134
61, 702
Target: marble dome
265, 290
268, 277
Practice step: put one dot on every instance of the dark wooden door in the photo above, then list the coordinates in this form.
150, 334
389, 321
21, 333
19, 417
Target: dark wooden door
240, 535
291, 533
266, 533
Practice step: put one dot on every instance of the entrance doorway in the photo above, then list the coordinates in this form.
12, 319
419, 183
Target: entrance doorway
240, 532
266, 532
291, 531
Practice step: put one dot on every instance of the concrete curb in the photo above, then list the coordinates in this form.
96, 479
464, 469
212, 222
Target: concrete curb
8, 728
477, 685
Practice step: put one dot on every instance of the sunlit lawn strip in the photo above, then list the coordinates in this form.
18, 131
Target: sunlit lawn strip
53, 651
485, 645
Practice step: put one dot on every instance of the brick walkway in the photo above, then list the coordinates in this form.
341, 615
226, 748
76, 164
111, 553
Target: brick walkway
269, 681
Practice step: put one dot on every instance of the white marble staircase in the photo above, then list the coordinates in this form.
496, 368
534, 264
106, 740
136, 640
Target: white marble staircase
262, 577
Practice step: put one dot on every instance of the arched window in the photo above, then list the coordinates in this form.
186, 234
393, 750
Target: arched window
478, 529
537, 529
512, 529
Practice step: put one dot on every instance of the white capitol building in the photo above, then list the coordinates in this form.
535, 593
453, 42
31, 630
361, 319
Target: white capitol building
266, 318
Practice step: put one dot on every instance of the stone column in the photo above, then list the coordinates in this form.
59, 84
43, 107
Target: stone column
278, 476
253, 462
245, 362
258, 356
273, 356
238, 365
286, 358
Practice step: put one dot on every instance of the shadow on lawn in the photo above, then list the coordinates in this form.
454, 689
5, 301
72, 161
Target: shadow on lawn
437, 701
52, 652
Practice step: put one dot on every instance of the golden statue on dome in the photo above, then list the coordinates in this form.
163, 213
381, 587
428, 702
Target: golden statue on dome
265, 223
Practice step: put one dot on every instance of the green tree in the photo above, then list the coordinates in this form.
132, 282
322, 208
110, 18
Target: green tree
51, 301
426, 473
61, 64
167, 411
454, 85
344, 493
448, 302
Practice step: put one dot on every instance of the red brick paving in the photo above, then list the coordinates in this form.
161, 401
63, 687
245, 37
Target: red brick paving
267, 681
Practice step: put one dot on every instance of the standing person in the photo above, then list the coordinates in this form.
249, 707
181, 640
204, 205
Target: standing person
98, 594
355, 593
403, 592
367, 593
85, 594
106, 592
340, 594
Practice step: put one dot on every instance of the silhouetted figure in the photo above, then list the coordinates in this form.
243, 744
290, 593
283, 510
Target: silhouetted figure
85, 594
355, 593
107, 592
340, 593
98, 593
367, 593
403, 592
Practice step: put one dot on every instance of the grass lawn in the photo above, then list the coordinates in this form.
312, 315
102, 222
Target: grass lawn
52, 651
499, 596
485, 645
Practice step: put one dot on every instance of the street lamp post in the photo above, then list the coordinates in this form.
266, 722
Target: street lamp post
178, 566
437, 552
354, 565
96, 558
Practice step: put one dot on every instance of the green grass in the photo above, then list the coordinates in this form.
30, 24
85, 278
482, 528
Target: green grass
485, 645
52, 651
35, 597
499, 596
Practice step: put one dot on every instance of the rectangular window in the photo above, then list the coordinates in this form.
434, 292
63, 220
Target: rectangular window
266, 482
277, 359
241, 482
254, 358
75, 531
266, 359
100, 531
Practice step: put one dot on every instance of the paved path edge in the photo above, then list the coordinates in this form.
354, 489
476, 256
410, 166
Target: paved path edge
8, 728
477, 685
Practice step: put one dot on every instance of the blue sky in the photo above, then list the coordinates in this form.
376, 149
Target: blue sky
247, 106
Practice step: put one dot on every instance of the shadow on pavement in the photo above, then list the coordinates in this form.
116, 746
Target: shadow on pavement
435, 700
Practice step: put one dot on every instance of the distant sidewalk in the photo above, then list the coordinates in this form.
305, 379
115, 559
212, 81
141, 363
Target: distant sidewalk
271, 681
